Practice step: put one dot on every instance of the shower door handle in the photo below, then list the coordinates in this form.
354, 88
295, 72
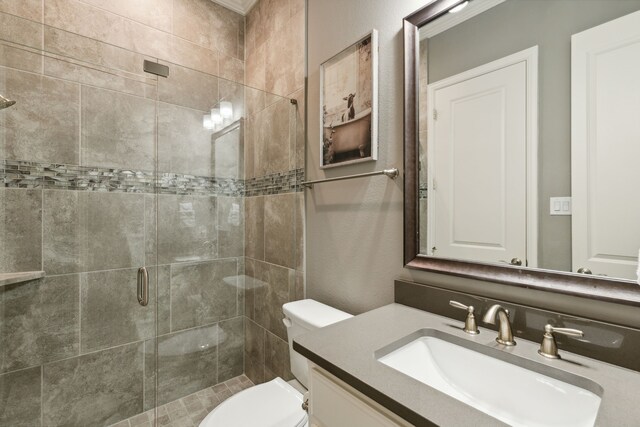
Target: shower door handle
143, 286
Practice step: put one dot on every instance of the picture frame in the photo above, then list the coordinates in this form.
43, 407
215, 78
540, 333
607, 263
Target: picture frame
349, 104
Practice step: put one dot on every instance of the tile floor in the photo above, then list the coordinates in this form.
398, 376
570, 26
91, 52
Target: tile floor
189, 410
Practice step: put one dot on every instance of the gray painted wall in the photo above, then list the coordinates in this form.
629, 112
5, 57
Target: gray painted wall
354, 229
509, 28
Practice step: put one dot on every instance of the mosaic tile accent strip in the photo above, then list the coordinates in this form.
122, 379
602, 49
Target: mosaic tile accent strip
277, 183
22, 174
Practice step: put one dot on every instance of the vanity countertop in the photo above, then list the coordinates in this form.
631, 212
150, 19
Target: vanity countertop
346, 350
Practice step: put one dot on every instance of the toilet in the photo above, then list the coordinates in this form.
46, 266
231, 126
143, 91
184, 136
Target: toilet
278, 403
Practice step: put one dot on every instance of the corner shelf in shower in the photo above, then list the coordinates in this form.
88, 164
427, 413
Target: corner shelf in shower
12, 278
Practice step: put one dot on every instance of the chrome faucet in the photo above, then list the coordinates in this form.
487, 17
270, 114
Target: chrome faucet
549, 347
505, 336
470, 326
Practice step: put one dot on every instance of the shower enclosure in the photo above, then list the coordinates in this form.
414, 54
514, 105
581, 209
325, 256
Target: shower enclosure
111, 175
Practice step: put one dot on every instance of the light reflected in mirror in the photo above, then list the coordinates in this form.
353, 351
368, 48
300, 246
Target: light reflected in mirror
529, 135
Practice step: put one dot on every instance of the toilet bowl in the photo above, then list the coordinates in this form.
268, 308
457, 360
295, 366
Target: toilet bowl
277, 403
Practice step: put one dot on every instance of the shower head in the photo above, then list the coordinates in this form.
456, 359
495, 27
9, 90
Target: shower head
5, 103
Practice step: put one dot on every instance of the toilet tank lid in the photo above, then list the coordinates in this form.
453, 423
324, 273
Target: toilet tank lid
313, 314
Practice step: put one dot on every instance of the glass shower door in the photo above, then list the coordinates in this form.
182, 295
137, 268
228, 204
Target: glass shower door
78, 153
220, 144
200, 240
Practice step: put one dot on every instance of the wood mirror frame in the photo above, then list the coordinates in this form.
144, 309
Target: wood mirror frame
619, 291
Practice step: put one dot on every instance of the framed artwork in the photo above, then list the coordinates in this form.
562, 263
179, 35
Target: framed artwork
349, 104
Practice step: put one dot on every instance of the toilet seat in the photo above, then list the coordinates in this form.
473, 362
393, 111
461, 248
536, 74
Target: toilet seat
272, 404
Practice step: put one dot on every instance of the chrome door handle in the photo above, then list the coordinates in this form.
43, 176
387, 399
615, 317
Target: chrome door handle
583, 270
143, 286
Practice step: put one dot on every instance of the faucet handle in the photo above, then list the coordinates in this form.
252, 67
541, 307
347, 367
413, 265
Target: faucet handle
549, 347
470, 325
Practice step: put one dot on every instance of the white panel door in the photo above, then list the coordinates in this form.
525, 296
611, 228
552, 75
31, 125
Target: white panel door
605, 147
478, 169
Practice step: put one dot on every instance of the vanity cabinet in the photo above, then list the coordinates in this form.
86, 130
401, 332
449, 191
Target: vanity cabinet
333, 403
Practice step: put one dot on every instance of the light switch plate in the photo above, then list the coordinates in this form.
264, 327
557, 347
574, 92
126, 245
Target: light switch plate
560, 205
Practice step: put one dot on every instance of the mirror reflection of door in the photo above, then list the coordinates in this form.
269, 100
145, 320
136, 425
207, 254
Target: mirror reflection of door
605, 150
481, 141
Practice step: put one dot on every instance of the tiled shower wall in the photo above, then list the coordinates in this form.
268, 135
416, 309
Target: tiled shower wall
75, 347
274, 230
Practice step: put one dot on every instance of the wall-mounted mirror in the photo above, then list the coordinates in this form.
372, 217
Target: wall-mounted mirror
522, 136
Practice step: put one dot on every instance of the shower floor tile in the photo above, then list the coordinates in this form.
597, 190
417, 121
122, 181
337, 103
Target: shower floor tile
189, 410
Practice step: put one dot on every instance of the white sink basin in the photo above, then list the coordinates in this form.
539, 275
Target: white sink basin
513, 394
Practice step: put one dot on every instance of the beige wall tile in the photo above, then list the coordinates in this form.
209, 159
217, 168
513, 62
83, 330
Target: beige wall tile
254, 351
280, 114
254, 101
296, 6
184, 146
154, 13
261, 130
74, 16
255, 73
279, 229
249, 149
227, 154
62, 232
180, 374
254, 227
99, 77
188, 88
21, 405
231, 350
90, 51
187, 228
14, 56
284, 60
228, 28
202, 294
29, 9
230, 227
299, 231
234, 93
75, 395
210, 25
252, 20
20, 230
231, 68
46, 111
274, 18
194, 56
111, 230
276, 285
20, 31
110, 315
191, 21
143, 39
118, 130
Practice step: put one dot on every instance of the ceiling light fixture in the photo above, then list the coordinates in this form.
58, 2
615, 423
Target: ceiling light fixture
459, 7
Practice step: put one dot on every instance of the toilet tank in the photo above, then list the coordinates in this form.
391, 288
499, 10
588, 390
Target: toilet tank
304, 316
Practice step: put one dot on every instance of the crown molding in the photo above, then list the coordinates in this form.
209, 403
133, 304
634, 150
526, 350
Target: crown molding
240, 6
